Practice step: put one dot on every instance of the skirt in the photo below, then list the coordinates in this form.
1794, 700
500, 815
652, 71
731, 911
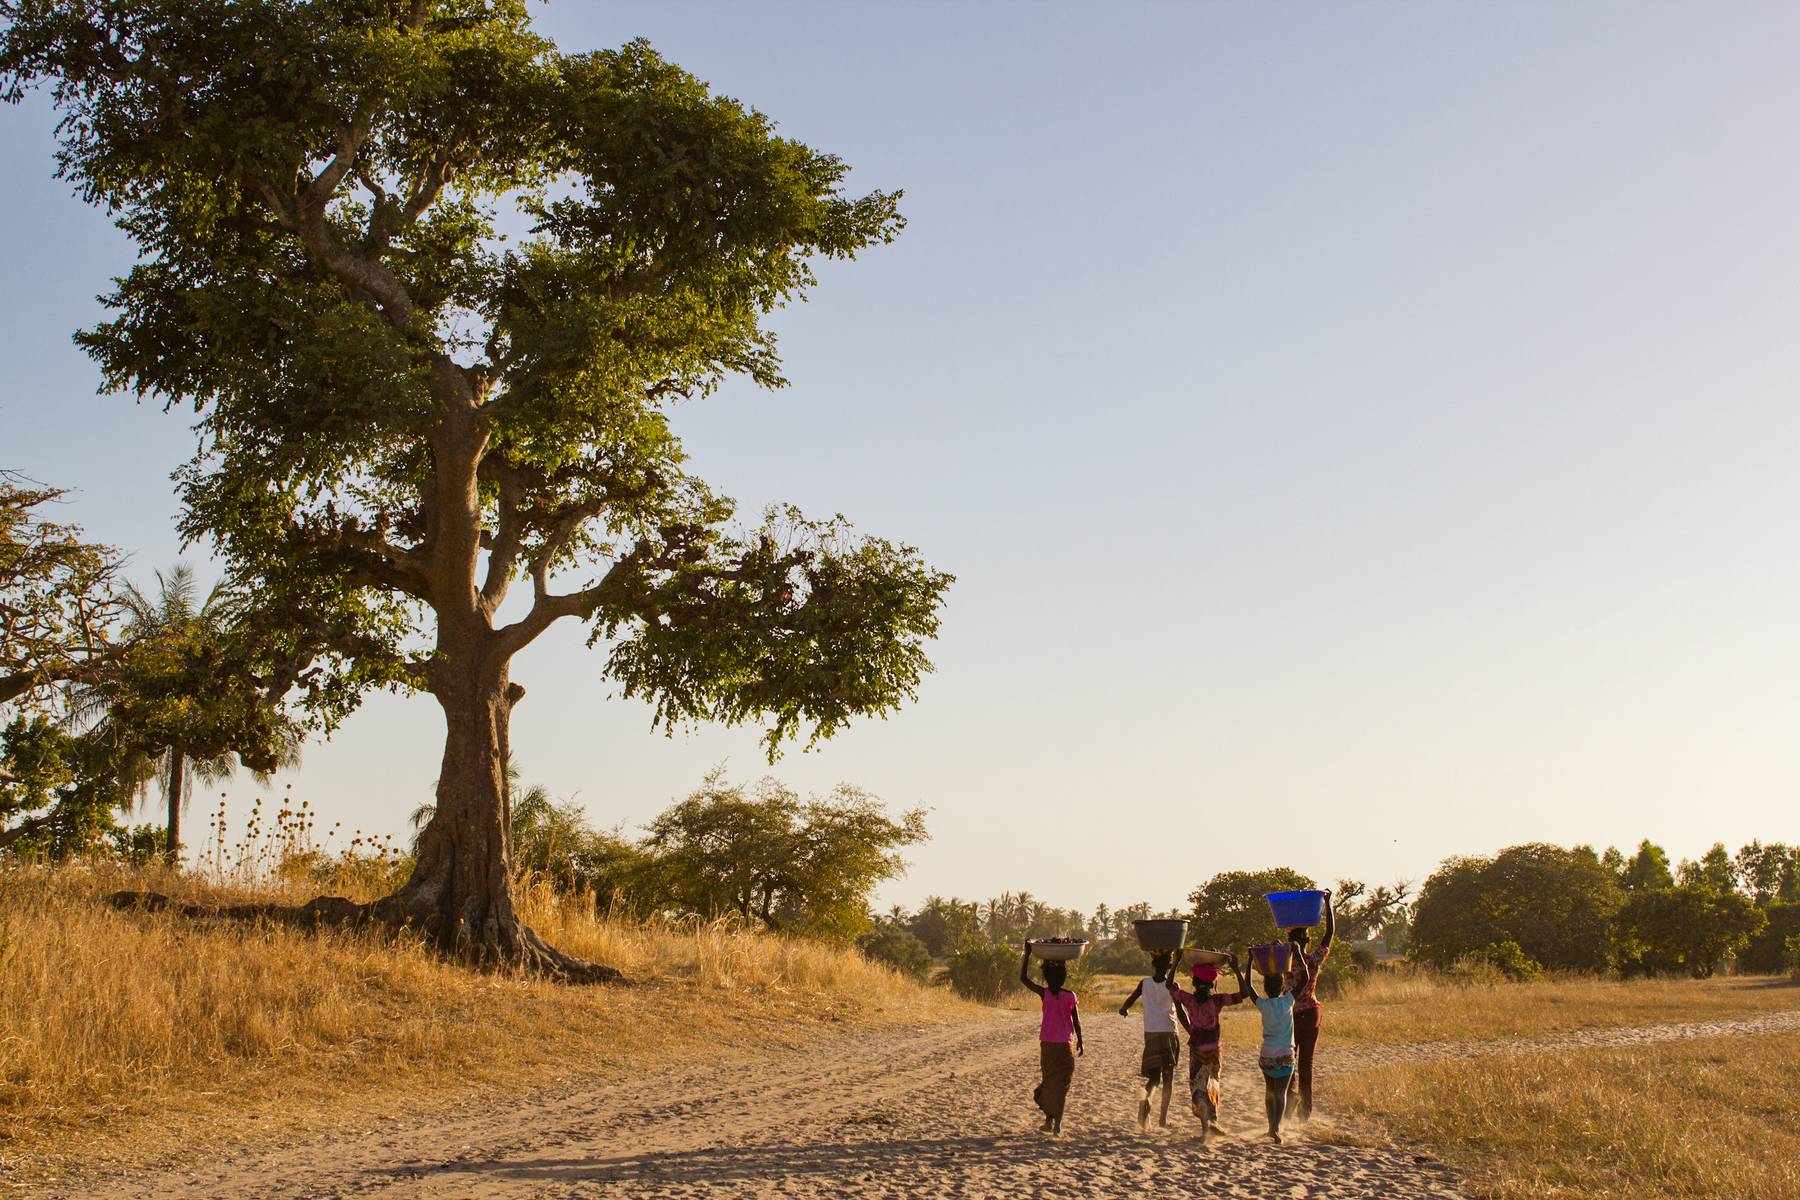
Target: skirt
1161, 1052
1056, 1061
1203, 1081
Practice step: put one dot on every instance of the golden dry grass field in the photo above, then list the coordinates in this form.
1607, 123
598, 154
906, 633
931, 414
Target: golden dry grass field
125, 1036
1711, 1117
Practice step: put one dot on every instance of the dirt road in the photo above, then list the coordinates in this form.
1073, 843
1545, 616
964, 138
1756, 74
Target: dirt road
896, 1113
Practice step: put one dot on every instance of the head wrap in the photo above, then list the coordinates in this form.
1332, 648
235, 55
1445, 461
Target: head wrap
1206, 972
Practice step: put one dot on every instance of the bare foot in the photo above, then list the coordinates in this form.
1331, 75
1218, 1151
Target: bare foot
1274, 1137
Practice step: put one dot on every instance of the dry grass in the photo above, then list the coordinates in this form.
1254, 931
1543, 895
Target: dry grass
1400, 1006
1684, 1120
124, 1036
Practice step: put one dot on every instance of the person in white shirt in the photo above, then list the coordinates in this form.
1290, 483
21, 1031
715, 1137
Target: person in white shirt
1162, 1044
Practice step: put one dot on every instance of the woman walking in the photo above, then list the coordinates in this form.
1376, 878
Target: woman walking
1061, 1023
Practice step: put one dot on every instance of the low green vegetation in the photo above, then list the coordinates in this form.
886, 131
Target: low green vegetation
1539, 907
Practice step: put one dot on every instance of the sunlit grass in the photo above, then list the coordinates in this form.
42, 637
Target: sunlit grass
1688, 1120
125, 1034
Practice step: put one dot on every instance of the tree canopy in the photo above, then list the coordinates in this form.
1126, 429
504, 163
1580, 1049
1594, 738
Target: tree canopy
766, 855
1693, 929
1557, 905
432, 287
1229, 909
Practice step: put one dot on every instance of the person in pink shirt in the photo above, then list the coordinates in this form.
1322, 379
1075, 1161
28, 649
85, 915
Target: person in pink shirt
1199, 1012
1060, 1025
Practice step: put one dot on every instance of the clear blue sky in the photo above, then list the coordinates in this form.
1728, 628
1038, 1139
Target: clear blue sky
1363, 433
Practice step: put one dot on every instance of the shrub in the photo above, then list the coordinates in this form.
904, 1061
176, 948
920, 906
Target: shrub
1793, 956
900, 950
984, 973
1504, 959
1120, 956
1767, 952
1346, 967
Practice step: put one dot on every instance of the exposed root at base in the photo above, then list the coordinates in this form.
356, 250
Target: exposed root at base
523, 951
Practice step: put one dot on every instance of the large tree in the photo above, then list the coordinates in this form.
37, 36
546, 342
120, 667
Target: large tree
431, 286
1555, 905
1230, 911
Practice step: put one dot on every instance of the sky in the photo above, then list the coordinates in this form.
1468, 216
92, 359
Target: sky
1362, 433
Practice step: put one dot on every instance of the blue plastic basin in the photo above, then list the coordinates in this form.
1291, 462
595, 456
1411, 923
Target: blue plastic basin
1295, 909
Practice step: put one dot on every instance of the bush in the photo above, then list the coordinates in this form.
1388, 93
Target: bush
1793, 956
899, 950
1120, 956
1767, 952
984, 973
1497, 961
1346, 967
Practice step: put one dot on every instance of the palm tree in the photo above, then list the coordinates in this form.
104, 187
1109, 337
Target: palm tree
181, 746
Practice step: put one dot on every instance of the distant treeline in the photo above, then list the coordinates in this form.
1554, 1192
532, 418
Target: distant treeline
1527, 909
1537, 907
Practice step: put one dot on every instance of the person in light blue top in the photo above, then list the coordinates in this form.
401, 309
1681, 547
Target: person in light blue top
1276, 1006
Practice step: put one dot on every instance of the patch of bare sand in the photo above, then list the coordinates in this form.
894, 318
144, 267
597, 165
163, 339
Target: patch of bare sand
887, 1114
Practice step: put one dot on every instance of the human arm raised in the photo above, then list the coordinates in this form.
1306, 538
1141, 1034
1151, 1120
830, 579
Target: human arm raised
1025, 972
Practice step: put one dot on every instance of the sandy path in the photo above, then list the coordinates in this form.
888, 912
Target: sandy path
892, 1113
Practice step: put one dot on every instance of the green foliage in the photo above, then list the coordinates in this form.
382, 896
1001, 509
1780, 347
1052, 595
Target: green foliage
1557, 905
899, 949
1229, 909
1767, 950
1770, 873
1648, 868
401, 414
763, 853
57, 603
1345, 967
174, 696
139, 845
1362, 913
984, 973
1715, 870
1692, 929
1505, 958
1119, 956
57, 791
945, 926
1793, 955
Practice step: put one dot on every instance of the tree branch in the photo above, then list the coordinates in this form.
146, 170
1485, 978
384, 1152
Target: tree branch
30, 825
509, 532
372, 559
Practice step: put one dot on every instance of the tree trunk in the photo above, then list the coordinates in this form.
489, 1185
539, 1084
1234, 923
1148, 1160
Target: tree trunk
460, 895
177, 777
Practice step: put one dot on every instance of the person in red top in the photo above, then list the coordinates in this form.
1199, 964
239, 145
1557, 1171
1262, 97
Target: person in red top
1307, 1012
1060, 1025
1199, 1013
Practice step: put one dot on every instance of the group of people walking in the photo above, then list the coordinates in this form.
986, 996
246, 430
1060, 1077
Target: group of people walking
1288, 1006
